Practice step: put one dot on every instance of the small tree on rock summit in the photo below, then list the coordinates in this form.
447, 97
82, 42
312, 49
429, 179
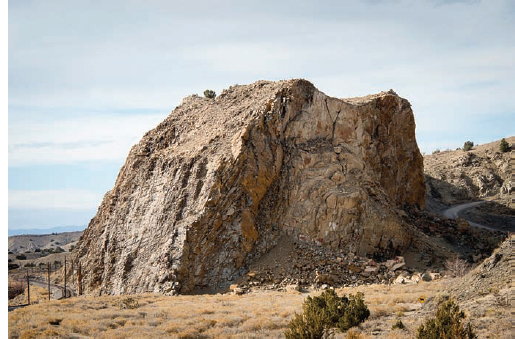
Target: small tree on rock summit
504, 146
468, 145
209, 94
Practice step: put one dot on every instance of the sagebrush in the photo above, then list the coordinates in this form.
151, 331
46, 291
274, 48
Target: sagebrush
327, 312
447, 324
15, 289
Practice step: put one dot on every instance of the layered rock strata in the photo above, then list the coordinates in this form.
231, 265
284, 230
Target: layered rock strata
214, 186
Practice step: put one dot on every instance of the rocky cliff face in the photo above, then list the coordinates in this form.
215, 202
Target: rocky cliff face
482, 173
214, 186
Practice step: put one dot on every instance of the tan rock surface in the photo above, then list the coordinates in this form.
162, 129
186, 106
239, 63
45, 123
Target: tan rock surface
215, 185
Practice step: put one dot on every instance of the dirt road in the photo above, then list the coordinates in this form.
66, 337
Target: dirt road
455, 211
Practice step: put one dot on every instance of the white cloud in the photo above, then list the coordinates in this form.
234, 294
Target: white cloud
54, 199
452, 62
88, 138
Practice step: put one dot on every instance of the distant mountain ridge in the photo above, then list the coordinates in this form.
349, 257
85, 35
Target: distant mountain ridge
42, 231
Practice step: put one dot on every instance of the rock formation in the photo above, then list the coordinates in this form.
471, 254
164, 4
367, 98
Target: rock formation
214, 186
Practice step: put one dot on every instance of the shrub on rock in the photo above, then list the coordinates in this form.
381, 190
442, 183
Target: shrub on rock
209, 94
467, 146
504, 146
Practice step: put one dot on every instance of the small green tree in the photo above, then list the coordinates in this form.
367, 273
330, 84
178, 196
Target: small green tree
467, 146
209, 94
326, 312
447, 324
504, 146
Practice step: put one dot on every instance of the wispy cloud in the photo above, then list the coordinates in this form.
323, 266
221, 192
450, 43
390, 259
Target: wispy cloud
88, 138
54, 199
62, 145
453, 2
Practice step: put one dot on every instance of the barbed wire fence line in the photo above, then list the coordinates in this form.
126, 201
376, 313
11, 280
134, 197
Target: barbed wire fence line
42, 274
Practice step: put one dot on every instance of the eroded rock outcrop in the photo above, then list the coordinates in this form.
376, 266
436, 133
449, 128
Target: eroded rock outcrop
458, 176
214, 186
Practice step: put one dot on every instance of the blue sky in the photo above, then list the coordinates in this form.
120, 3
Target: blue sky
87, 78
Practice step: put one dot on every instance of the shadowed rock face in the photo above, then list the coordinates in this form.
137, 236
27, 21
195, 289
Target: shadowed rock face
215, 184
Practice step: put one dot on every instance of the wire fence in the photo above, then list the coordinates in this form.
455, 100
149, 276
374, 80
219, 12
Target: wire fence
41, 274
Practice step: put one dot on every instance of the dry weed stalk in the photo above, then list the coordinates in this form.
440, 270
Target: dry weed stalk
15, 288
457, 267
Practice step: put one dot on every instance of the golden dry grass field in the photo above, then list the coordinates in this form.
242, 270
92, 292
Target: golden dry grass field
260, 314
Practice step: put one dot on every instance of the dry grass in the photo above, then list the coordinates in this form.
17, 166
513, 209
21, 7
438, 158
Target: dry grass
37, 294
15, 288
261, 314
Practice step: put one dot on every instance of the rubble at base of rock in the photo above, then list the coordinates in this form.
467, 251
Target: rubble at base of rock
310, 267
300, 261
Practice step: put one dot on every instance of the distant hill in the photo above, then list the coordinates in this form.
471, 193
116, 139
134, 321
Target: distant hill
483, 173
39, 231
32, 242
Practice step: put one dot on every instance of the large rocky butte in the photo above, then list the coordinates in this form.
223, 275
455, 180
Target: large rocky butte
212, 187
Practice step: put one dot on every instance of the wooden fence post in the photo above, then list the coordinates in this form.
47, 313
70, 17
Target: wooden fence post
28, 288
65, 294
79, 278
48, 277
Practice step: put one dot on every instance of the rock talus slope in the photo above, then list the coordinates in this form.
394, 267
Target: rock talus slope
214, 186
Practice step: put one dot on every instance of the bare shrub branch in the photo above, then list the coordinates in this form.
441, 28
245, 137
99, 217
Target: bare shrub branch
457, 267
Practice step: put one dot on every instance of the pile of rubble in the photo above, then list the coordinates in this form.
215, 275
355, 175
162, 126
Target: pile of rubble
295, 265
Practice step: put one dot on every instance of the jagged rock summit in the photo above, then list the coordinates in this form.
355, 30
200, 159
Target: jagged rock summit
215, 185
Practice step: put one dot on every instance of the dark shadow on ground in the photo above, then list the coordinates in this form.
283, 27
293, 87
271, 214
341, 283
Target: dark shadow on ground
440, 194
492, 214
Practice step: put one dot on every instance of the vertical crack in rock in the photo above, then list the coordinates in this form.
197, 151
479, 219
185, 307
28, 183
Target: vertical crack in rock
214, 186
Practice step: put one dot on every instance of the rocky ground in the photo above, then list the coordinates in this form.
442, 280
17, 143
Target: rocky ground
486, 292
493, 275
296, 265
